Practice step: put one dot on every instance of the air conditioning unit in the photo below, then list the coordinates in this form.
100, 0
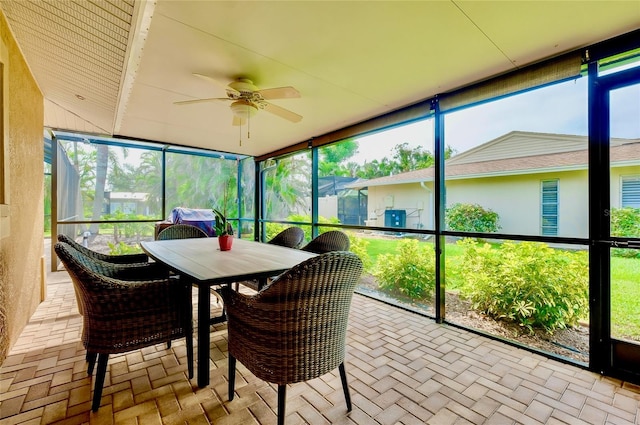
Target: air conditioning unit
395, 218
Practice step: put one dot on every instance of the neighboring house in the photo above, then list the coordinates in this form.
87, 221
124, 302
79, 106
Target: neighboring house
127, 202
536, 182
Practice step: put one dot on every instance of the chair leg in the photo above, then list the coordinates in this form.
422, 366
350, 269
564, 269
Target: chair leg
223, 316
232, 376
168, 345
282, 398
91, 359
345, 386
97, 389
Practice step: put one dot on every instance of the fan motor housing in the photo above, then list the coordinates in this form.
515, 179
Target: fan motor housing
243, 85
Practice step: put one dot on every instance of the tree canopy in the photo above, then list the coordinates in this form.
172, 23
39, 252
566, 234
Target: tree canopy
334, 160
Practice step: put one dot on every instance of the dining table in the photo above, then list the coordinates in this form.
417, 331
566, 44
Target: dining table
201, 262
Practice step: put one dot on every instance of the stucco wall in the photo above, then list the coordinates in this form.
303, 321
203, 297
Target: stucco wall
328, 206
515, 198
411, 197
21, 252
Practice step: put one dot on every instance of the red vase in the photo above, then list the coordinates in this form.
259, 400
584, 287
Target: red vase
225, 242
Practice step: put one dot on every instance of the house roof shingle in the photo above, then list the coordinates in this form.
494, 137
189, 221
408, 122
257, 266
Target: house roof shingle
620, 155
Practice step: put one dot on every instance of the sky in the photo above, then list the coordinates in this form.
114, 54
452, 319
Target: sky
561, 108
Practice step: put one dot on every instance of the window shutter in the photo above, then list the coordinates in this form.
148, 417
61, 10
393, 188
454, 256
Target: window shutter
549, 208
631, 192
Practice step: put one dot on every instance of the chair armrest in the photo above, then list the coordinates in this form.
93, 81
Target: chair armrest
135, 271
140, 271
235, 301
129, 258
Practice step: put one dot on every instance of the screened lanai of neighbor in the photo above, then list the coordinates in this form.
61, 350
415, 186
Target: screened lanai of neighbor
483, 159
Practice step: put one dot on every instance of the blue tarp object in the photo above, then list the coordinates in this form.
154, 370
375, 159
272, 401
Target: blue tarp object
201, 218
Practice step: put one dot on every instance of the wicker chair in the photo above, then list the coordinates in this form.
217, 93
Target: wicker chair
116, 259
291, 237
294, 329
333, 240
121, 316
181, 231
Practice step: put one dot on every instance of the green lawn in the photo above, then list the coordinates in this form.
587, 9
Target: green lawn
625, 291
625, 297
380, 246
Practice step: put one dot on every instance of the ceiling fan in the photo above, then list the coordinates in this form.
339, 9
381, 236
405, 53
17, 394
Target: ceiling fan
246, 100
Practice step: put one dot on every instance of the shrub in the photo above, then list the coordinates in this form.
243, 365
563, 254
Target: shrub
274, 228
122, 248
122, 229
625, 222
359, 247
529, 283
411, 271
471, 218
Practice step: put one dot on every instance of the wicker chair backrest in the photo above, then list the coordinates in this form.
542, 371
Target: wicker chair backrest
291, 237
117, 270
116, 259
95, 265
333, 240
295, 328
122, 271
181, 231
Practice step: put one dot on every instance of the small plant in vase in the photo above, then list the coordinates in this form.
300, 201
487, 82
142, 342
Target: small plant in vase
224, 231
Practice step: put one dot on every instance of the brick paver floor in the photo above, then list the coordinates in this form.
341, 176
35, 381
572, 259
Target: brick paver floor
402, 369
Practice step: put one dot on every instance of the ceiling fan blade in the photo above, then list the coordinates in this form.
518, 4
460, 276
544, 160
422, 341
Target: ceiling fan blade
209, 99
279, 93
281, 112
217, 82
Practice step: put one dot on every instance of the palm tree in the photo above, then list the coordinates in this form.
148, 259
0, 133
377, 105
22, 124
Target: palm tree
287, 187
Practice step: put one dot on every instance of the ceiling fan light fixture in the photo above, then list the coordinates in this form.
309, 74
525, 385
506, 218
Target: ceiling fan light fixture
243, 109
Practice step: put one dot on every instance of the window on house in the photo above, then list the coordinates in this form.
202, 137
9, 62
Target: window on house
549, 208
631, 192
